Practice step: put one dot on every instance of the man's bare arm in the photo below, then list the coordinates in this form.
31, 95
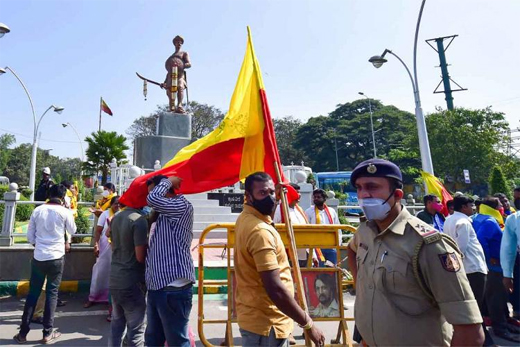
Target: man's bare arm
467, 335
352, 263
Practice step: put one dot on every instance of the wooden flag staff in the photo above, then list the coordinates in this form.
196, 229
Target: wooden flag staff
300, 293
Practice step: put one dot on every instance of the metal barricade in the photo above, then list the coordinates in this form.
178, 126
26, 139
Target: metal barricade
307, 237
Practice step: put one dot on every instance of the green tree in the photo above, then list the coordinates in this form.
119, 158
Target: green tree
286, 130
348, 129
6, 141
497, 182
103, 146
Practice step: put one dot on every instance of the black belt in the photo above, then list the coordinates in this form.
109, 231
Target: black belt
177, 289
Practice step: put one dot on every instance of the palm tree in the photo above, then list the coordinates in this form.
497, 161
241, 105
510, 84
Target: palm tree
103, 146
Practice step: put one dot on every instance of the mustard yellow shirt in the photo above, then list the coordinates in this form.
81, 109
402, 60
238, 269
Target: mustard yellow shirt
258, 248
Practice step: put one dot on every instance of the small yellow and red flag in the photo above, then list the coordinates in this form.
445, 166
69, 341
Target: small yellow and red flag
435, 187
105, 108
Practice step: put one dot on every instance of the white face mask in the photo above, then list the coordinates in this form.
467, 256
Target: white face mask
105, 193
374, 208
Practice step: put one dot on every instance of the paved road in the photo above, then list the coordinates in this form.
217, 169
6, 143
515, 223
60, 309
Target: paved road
88, 327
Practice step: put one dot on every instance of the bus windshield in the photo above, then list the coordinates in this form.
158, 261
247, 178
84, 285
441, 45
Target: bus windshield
338, 181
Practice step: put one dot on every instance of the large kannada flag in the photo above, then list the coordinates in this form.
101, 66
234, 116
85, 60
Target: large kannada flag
435, 187
243, 143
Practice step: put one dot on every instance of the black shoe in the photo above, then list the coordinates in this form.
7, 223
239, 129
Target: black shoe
508, 336
61, 303
37, 320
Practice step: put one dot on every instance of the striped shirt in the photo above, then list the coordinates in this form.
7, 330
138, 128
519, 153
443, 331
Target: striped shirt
169, 256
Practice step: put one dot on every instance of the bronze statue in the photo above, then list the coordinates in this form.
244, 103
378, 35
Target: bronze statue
175, 82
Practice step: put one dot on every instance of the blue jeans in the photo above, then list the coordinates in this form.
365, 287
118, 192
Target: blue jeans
128, 311
252, 339
52, 270
168, 313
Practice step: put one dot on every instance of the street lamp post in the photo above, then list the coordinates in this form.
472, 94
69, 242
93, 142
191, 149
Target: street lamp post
424, 145
371, 123
80, 145
57, 109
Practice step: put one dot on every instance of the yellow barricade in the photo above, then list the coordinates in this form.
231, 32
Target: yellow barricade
307, 236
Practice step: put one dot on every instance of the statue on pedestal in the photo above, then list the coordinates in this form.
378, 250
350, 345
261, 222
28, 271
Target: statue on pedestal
175, 82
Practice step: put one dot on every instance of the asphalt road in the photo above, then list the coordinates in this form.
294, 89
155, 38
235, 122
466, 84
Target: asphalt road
88, 327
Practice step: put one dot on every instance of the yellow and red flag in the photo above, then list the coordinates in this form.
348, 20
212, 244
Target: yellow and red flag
435, 187
105, 108
243, 143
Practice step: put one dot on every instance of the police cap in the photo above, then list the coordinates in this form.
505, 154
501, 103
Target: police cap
376, 168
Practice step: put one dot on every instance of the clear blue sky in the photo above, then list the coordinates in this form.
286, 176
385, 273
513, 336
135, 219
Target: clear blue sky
313, 55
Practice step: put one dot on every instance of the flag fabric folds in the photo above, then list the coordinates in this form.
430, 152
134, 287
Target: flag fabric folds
105, 108
435, 187
243, 143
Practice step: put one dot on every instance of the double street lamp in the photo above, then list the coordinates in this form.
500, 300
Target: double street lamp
424, 145
57, 109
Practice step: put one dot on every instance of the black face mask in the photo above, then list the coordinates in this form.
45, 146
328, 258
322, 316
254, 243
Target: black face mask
265, 206
517, 204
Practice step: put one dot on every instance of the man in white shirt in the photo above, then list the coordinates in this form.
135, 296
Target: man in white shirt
46, 232
320, 213
460, 228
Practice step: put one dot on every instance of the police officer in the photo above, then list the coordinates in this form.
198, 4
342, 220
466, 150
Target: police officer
411, 288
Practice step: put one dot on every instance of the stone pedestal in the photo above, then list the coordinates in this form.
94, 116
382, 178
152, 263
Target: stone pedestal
173, 134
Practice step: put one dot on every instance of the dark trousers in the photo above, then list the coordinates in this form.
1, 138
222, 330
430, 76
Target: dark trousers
477, 281
128, 312
514, 297
496, 299
168, 313
52, 270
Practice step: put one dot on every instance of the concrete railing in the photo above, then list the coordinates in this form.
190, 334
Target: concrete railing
10, 202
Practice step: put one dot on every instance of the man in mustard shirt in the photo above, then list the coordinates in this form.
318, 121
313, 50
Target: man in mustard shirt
265, 301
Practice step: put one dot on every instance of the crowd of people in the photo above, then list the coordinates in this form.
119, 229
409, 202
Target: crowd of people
428, 279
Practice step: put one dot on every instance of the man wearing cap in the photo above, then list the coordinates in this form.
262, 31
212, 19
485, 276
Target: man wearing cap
411, 285
42, 193
180, 59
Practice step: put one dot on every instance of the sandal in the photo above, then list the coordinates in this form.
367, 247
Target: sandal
109, 317
53, 336
19, 338
88, 304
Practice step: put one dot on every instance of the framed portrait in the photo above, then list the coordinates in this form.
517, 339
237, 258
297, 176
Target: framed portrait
321, 291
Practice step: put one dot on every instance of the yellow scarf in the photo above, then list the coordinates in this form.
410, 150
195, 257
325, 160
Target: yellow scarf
317, 213
104, 203
490, 211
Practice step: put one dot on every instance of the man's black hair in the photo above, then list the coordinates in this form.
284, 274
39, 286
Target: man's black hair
517, 189
450, 204
491, 201
429, 197
478, 202
155, 180
320, 191
67, 184
110, 186
394, 184
295, 186
328, 280
57, 191
460, 201
256, 177
500, 196
114, 200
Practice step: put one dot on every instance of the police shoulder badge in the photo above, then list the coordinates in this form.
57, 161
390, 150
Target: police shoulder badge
450, 262
371, 168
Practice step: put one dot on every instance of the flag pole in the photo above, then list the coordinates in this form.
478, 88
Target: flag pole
100, 108
293, 255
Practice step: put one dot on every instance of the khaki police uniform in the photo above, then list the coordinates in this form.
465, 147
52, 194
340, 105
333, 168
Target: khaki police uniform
392, 307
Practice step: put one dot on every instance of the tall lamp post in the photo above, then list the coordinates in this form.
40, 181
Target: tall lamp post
371, 123
424, 145
57, 109
80, 145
